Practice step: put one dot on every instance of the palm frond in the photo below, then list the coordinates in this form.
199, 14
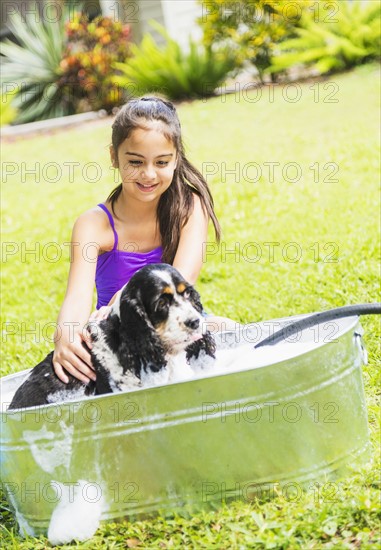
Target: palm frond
327, 46
33, 64
168, 68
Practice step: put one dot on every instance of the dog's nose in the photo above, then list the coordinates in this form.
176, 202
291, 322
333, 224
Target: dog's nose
192, 323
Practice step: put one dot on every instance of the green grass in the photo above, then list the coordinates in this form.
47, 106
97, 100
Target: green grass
336, 228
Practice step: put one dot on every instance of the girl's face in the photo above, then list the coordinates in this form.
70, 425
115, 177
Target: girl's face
146, 162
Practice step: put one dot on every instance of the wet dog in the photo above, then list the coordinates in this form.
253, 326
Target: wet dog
151, 336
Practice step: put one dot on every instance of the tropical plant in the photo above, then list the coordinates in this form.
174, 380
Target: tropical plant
7, 111
32, 66
252, 28
328, 45
92, 48
62, 65
174, 72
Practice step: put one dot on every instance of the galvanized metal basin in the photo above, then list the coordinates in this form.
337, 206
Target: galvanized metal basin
187, 445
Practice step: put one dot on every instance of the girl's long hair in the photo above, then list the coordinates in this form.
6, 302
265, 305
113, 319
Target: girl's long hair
176, 203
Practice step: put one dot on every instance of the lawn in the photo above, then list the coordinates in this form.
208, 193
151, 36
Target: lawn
294, 172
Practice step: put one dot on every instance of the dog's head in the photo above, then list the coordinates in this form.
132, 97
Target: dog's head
158, 313
167, 303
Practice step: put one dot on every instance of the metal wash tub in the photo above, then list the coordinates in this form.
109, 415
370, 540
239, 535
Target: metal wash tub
184, 445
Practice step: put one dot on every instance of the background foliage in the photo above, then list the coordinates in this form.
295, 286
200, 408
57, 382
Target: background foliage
73, 65
253, 28
173, 72
30, 69
350, 36
7, 110
92, 47
62, 66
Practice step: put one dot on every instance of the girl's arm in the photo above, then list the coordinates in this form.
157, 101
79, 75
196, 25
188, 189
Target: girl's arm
104, 311
69, 353
193, 238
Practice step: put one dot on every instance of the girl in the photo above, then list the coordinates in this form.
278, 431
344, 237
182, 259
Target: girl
161, 207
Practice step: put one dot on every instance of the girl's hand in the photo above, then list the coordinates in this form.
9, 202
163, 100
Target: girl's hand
74, 358
100, 314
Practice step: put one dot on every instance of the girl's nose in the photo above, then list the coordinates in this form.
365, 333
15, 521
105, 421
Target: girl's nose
149, 172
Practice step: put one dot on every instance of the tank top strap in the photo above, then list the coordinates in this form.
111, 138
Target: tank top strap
111, 220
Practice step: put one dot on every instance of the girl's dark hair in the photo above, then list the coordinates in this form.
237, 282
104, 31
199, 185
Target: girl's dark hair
176, 203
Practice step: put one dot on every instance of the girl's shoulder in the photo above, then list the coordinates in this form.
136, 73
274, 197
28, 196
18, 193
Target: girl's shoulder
198, 209
94, 218
93, 226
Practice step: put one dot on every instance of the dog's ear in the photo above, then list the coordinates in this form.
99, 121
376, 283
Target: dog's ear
195, 300
108, 330
206, 344
139, 344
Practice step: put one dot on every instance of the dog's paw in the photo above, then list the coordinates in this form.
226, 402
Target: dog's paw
205, 346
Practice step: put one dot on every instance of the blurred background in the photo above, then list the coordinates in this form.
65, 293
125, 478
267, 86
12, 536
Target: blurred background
67, 57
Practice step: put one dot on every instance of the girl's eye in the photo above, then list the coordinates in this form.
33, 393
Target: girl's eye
160, 163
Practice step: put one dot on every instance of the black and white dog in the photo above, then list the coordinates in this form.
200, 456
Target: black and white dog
150, 337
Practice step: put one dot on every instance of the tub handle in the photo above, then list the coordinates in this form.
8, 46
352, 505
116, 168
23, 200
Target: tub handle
363, 353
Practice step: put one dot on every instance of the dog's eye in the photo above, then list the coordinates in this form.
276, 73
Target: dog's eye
187, 293
163, 302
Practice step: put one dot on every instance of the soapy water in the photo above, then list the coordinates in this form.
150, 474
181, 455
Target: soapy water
59, 453
245, 357
227, 361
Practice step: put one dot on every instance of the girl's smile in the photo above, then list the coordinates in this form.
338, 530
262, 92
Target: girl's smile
146, 162
146, 188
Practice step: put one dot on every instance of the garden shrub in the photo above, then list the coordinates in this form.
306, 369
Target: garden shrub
173, 72
252, 28
62, 66
329, 45
92, 48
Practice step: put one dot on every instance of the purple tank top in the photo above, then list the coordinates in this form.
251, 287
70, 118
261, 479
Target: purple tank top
116, 267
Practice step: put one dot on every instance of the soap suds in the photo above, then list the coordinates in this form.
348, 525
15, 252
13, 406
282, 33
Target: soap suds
60, 452
77, 515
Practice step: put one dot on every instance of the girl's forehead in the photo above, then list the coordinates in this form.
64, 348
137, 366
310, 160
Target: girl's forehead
150, 137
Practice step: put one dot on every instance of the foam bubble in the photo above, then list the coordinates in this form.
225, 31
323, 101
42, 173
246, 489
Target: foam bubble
50, 451
77, 515
6, 399
244, 357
